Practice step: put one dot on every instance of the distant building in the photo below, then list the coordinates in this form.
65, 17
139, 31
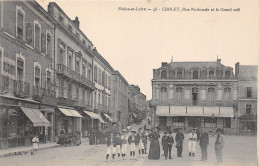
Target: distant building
247, 97
137, 104
195, 95
119, 111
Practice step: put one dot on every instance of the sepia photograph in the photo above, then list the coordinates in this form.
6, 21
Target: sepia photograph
129, 82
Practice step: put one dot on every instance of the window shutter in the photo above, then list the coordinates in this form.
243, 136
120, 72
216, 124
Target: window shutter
29, 33
43, 43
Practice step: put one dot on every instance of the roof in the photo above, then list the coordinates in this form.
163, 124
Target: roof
189, 65
101, 58
118, 73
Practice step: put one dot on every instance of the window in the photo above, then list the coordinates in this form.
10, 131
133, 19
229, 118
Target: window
1, 60
179, 74
195, 74
84, 69
249, 92
103, 78
219, 74
37, 73
48, 80
99, 76
20, 25
37, 36
211, 96
70, 28
61, 52
210, 90
20, 69
163, 74
178, 121
227, 90
84, 42
179, 93
203, 74
163, 89
211, 74
77, 93
171, 74
227, 122
227, 97
210, 122
69, 90
60, 18
48, 48
248, 108
89, 73
95, 73
61, 88
227, 74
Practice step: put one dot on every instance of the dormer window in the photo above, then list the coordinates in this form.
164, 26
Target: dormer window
227, 74
70, 28
179, 74
60, 18
211, 74
163, 75
195, 74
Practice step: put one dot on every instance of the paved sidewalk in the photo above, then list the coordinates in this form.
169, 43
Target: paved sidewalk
28, 149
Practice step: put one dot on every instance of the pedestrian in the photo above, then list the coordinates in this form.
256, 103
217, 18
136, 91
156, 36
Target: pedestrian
117, 146
154, 150
179, 142
92, 138
124, 138
110, 142
219, 145
192, 143
170, 143
132, 142
35, 142
165, 144
140, 142
204, 142
144, 139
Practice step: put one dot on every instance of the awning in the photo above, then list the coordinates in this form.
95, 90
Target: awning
35, 115
94, 116
163, 111
135, 115
108, 117
194, 111
70, 112
226, 112
210, 111
178, 111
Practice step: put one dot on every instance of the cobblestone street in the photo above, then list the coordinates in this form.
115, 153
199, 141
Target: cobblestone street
239, 151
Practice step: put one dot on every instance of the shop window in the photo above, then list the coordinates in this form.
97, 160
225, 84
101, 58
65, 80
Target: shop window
20, 25
227, 122
248, 108
195, 74
249, 92
210, 122
211, 74
163, 75
227, 74
178, 121
163, 120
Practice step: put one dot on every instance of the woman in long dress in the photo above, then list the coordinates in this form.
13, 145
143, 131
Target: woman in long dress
154, 151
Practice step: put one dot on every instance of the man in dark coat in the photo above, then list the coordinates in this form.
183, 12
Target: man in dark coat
179, 142
170, 143
165, 145
204, 142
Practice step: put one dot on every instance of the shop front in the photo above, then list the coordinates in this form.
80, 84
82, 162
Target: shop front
189, 117
18, 125
96, 121
68, 120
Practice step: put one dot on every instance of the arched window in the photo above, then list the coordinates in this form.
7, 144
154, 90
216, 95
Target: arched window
171, 74
227, 74
163, 74
195, 74
179, 74
211, 74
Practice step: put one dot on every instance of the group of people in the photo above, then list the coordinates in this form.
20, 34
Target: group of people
143, 140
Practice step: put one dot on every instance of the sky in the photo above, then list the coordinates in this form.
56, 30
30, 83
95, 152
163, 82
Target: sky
136, 42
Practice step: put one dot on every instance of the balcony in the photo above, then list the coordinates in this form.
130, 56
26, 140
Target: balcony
4, 84
21, 89
69, 73
66, 102
37, 93
83, 104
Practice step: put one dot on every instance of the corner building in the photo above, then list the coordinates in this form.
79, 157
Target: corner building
195, 95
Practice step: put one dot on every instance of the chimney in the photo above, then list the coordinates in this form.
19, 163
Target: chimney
164, 64
76, 22
236, 69
219, 60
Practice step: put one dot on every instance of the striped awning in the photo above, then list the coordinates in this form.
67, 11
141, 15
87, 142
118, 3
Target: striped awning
94, 116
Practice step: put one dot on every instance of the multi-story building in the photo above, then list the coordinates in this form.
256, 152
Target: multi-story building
119, 103
195, 94
74, 63
27, 96
247, 97
102, 79
137, 104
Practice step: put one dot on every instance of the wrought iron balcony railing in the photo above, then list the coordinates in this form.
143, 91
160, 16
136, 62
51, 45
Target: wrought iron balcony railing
21, 89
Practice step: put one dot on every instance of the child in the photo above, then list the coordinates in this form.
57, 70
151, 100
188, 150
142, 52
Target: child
132, 143
140, 142
117, 145
35, 142
192, 143
170, 143
124, 138
110, 142
165, 144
